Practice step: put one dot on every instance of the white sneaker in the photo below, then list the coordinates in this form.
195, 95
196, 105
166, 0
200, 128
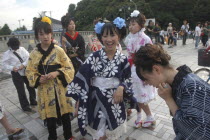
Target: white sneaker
149, 121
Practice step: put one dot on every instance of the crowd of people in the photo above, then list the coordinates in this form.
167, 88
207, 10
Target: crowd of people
107, 84
172, 34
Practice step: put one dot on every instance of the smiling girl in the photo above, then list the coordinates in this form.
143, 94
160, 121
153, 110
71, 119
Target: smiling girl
99, 86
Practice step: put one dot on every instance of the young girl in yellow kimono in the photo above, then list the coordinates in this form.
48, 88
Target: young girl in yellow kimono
50, 70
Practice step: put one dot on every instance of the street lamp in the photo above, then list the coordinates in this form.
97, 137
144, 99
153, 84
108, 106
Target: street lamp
134, 4
20, 21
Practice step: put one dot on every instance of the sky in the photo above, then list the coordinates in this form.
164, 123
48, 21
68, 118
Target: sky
17, 13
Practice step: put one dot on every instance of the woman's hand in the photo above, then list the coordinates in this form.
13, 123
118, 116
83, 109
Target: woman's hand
73, 55
15, 69
118, 95
43, 79
165, 91
64, 39
52, 75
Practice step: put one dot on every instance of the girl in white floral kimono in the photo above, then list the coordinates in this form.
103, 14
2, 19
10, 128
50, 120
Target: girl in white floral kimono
99, 86
143, 93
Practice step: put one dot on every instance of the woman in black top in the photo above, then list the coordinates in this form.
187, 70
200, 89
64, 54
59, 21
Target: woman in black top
76, 44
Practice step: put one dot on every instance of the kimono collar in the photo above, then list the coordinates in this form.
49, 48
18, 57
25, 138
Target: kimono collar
182, 72
72, 37
116, 55
43, 52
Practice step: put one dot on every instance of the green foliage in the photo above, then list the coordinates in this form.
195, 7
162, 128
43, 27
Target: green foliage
5, 30
164, 11
21, 28
71, 9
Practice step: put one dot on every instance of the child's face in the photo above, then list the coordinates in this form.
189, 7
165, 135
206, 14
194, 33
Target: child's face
134, 27
71, 26
110, 41
44, 37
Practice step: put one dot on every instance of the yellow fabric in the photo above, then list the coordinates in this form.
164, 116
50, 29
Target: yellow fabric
46, 92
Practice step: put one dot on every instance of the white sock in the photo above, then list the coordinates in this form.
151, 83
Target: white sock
138, 117
150, 118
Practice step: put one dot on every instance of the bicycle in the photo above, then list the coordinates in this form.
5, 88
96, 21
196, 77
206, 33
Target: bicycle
203, 73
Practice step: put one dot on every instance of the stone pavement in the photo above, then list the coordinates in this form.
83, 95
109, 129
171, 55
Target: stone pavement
34, 128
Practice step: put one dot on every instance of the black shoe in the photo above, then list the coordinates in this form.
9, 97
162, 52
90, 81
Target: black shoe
34, 103
28, 109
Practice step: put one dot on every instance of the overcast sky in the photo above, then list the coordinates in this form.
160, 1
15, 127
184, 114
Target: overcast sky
11, 11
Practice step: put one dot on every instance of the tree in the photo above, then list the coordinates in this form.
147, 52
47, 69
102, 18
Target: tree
71, 10
5, 30
21, 28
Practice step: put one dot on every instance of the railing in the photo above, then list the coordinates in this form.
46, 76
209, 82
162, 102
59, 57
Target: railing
31, 36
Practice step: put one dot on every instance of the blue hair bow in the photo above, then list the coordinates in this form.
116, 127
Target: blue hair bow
98, 27
119, 22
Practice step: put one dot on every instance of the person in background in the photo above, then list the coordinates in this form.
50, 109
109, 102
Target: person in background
15, 60
76, 50
170, 35
186, 95
99, 85
174, 36
150, 28
143, 93
93, 43
9, 129
50, 70
197, 34
157, 30
205, 33
162, 35
184, 28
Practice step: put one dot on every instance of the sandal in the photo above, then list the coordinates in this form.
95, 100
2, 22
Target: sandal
138, 124
148, 123
17, 131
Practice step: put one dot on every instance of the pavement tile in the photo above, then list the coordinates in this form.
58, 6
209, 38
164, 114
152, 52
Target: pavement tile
34, 125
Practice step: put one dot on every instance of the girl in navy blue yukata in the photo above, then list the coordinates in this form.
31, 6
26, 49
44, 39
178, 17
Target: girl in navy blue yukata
187, 95
99, 85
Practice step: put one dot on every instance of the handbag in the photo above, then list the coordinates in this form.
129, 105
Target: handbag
203, 57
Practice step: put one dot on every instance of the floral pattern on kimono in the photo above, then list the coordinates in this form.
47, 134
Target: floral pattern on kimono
96, 103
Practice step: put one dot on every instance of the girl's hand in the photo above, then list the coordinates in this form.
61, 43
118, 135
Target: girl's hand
52, 75
118, 95
43, 79
165, 91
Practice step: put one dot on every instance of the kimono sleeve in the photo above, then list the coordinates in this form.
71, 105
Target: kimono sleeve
192, 118
32, 71
81, 45
79, 87
67, 69
126, 78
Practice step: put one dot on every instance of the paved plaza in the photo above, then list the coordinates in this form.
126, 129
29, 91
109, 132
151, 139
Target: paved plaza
34, 128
